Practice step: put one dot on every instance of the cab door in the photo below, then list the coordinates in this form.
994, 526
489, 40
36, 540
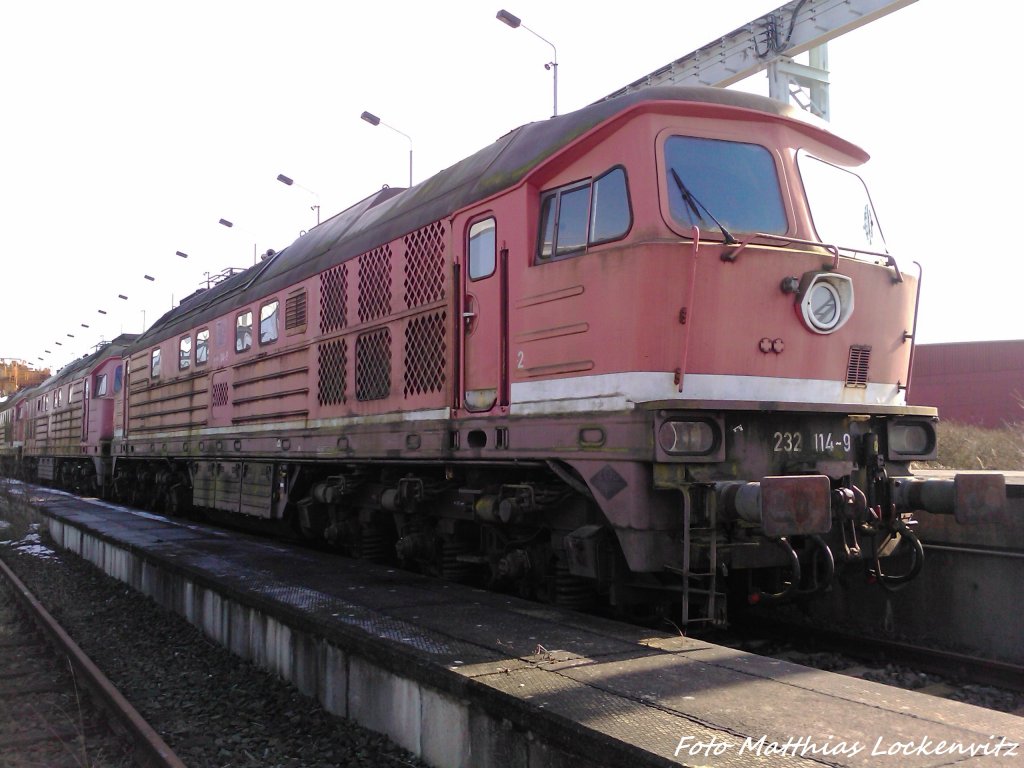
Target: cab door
484, 317
86, 391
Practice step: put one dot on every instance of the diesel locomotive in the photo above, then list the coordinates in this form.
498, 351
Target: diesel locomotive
651, 354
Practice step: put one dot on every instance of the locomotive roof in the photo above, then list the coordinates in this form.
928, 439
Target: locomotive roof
115, 348
393, 212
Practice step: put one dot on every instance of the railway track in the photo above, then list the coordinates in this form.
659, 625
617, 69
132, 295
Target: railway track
49, 721
212, 708
950, 674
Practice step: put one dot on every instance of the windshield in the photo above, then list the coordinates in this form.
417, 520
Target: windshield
841, 209
735, 184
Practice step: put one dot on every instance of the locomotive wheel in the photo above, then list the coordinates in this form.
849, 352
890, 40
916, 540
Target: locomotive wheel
572, 592
176, 503
453, 569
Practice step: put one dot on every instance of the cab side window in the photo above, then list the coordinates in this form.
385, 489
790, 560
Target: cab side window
482, 249
202, 346
184, 352
243, 331
268, 323
582, 214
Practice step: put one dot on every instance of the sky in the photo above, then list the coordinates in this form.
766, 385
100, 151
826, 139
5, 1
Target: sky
128, 129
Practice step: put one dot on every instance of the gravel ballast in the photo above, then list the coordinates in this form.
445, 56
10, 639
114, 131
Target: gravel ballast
211, 707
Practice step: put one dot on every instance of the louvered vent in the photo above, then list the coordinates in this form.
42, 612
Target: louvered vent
857, 368
295, 311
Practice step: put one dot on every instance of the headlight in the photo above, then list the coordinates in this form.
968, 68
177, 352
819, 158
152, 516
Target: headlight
825, 300
823, 306
911, 440
688, 438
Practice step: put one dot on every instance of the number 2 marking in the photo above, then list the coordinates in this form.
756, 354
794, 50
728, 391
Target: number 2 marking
519, 359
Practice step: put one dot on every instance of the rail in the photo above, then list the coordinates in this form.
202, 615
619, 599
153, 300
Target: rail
153, 750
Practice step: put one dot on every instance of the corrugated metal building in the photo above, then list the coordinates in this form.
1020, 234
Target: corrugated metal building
977, 382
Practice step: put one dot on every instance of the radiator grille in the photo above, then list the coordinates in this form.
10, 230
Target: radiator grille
424, 266
333, 293
425, 354
332, 366
375, 284
220, 394
373, 365
857, 367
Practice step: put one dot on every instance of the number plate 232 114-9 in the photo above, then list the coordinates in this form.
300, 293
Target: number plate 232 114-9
815, 440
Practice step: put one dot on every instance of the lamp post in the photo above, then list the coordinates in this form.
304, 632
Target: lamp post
229, 225
372, 119
288, 181
515, 22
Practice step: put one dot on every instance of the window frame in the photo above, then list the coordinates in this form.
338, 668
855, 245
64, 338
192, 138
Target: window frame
154, 363
489, 217
100, 386
205, 333
277, 321
629, 207
239, 349
733, 136
556, 195
185, 362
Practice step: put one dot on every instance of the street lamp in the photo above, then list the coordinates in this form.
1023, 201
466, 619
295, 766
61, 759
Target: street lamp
372, 119
287, 181
229, 225
515, 22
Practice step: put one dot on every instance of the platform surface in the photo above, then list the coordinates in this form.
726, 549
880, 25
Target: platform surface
656, 697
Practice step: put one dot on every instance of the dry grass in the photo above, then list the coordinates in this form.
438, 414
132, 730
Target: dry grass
962, 446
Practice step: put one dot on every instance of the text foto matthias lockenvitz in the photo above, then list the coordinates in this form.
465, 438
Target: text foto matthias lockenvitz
807, 746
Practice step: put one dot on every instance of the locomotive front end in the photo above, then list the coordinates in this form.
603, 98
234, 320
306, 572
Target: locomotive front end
789, 436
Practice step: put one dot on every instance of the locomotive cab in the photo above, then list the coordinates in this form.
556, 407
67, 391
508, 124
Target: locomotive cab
769, 341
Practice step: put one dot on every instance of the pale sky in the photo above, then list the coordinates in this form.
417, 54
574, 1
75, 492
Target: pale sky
129, 128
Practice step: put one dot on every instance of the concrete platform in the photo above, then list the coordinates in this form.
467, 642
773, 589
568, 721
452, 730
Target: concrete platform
469, 678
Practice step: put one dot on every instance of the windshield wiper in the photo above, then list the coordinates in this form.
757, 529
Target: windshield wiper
697, 206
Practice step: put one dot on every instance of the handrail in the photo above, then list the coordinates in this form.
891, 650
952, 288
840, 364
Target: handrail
731, 255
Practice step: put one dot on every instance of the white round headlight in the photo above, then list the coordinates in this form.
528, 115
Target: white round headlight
823, 306
826, 301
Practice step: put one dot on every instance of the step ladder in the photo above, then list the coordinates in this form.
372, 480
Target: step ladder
702, 603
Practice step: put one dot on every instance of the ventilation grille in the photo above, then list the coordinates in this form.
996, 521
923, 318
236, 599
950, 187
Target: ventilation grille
220, 394
424, 266
373, 365
425, 354
332, 367
375, 284
857, 368
333, 293
295, 311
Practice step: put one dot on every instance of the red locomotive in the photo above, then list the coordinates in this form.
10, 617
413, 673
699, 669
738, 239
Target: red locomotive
619, 355
60, 430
